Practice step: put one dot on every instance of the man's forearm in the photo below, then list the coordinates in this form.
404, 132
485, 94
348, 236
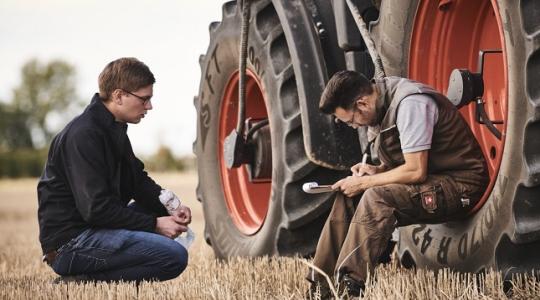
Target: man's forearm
401, 174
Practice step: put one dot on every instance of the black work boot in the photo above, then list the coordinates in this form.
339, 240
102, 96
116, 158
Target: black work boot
351, 286
386, 256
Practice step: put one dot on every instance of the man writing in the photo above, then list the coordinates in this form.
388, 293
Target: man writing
87, 230
431, 170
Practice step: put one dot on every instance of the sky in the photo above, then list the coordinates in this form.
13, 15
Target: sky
167, 35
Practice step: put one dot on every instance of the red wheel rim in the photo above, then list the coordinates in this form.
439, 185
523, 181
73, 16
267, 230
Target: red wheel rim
246, 201
447, 35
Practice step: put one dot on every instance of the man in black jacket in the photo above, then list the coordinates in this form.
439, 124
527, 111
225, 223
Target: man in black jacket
87, 229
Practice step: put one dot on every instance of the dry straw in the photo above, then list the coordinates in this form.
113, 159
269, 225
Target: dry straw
23, 276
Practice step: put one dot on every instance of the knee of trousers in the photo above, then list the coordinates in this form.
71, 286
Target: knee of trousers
339, 207
176, 262
374, 203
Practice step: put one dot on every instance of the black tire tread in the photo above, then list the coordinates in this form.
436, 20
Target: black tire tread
228, 9
213, 27
514, 199
526, 208
295, 211
388, 34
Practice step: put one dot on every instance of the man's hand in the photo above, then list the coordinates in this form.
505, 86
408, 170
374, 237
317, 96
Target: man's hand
184, 214
352, 185
361, 169
170, 226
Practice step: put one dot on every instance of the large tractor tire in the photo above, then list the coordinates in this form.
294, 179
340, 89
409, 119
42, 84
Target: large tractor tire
426, 40
266, 217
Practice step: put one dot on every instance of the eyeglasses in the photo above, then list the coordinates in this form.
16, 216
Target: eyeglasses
348, 122
145, 100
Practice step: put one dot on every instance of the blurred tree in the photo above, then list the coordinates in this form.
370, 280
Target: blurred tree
45, 88
14, 132
46, 95
164, 160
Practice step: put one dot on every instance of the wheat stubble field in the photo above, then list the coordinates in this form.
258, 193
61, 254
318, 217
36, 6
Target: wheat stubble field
24, 276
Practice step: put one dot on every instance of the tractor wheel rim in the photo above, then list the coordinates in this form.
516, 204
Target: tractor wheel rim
448, 35
247, 202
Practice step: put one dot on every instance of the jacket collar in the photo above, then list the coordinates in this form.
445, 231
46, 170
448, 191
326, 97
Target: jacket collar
102, 115
105, 119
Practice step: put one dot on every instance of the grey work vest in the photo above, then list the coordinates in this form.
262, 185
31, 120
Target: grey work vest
454, 149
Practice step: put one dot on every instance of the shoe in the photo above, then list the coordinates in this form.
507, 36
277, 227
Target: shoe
351, 286
72, 278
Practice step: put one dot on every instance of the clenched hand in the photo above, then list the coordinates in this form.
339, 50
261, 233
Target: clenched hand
352, 185
170, 226
184, 214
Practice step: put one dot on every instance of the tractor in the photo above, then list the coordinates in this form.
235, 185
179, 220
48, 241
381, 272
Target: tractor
261, 136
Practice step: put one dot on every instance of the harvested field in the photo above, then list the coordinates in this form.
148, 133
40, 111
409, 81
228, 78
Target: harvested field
24, 276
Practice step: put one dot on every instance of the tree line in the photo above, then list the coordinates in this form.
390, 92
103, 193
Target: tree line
43, 102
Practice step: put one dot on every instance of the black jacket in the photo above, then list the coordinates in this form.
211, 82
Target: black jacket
90, 176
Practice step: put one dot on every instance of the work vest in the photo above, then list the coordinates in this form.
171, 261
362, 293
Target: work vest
454, 149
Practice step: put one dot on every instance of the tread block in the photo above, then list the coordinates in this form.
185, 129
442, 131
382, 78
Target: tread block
201, 60
211, 28
527, 214
294, 145
266, 20
228, 9
517, 258
533, 71
531, 151
288, 94
530, 12
300, 240
279, 53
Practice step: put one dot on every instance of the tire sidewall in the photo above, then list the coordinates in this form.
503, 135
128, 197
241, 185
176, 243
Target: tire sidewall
470, 244
223, 51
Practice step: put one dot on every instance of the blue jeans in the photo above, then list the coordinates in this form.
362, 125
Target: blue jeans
120, 254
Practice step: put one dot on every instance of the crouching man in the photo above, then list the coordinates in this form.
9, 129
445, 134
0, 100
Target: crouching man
88, 232
431, 170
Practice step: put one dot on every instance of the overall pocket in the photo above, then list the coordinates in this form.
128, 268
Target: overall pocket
432, 199
62, 262
440, 198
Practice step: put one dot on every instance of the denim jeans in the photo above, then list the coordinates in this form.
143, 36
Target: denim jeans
120, 254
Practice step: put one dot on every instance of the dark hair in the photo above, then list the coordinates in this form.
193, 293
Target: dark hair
343, 89
127, 73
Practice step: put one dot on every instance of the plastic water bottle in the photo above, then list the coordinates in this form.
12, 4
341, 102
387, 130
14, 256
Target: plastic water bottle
172, 203
169, 200
186, 238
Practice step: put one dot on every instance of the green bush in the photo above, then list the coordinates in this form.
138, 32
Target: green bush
30, 162
164, 160
22, 163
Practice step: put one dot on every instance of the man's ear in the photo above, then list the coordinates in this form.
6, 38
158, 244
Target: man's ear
117, 96
361, 102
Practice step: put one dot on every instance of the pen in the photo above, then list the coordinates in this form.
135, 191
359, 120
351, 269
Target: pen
364, 161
